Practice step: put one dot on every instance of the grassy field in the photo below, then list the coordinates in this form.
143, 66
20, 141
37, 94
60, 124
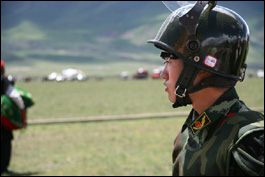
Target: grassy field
115, 148
97, 98
115, 97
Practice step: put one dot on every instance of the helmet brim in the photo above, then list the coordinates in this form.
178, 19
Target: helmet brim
163, 46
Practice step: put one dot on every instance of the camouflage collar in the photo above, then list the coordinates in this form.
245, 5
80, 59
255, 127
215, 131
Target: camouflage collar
212, 115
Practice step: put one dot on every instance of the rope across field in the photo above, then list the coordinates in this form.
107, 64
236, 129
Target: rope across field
116, 118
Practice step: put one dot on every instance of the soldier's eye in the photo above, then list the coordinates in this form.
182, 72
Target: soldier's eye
167, 61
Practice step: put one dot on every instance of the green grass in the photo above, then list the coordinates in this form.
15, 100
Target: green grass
115, 148
115, 97
96, 98
111, 148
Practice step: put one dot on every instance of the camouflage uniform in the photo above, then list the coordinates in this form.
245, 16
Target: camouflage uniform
227, 139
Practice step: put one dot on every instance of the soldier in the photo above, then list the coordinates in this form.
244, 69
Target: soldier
205, 49
7, 134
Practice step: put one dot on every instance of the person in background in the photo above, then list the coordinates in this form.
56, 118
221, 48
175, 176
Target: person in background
7, 134
205, 47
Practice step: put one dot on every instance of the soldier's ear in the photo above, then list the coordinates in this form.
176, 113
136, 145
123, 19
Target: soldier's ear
201, 75
204, 74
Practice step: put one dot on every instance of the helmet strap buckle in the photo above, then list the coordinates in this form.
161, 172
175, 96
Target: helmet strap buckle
185, 80
180, 91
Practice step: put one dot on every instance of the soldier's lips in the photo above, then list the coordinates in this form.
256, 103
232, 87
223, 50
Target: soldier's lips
166, 89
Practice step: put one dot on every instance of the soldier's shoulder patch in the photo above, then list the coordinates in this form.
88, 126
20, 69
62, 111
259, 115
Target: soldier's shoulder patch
202, 121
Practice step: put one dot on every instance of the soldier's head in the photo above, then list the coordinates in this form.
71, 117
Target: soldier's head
206, 38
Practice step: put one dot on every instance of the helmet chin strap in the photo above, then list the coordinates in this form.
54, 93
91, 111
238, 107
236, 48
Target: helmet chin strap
182, 102
185, 80
184, 85
214, 81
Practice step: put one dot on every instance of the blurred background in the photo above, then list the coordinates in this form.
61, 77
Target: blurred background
49, 47
100, 38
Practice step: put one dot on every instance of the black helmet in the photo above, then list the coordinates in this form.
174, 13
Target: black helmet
208, 37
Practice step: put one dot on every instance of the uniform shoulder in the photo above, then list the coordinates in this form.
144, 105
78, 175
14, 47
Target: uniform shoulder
248, 148
246, 119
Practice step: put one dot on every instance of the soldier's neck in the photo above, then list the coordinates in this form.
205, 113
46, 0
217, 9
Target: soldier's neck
205, 98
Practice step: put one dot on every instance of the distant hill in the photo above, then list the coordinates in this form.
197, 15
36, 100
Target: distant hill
41, 36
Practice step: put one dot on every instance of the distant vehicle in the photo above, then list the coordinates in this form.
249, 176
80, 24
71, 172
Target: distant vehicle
60, 78
27, 79
74, 74
260, 73
156, 73
52, 76
70, 74
67, 74
80, 77
124, 75
141, 74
